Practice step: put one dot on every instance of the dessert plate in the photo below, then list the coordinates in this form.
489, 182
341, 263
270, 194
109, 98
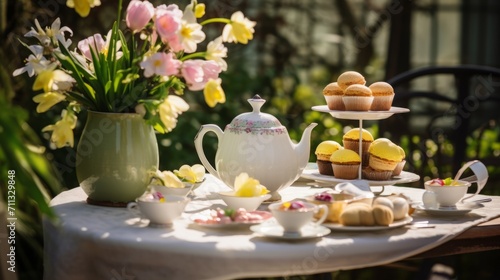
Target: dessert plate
396, 224
198, 219
404, 177
274, 230
458, 210
361, 115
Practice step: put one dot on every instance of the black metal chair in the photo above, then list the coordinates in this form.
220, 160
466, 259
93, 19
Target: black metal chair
444, 115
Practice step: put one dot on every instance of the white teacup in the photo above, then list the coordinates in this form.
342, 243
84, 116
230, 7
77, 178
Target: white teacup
293, 220
160, 214
447, 196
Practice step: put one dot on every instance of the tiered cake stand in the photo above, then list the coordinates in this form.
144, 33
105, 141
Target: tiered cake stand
404, 177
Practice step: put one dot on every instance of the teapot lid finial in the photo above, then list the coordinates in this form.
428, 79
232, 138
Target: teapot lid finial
256, 102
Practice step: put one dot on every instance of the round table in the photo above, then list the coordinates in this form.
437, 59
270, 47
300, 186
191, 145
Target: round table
95, 242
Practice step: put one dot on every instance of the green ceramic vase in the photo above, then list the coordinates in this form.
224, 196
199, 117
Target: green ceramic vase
116, 156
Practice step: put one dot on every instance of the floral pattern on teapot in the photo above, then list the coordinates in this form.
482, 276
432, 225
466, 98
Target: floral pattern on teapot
255, 127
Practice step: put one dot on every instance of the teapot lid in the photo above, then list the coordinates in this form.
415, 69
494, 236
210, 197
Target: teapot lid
256, 122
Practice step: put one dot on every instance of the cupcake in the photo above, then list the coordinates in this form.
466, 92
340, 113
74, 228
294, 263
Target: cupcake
333, 96
357, 98
383, 94
351, 142
401, 164
384, 156
345, 164
323, 152
350, 78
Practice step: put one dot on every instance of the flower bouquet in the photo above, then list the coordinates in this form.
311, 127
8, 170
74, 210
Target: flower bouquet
144, 68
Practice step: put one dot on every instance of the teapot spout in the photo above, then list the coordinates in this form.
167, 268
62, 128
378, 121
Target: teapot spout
303, 148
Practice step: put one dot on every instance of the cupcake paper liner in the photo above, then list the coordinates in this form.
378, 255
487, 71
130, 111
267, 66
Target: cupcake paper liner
399, 168
334, 102
345, 171
382, 103
324, 167
357, 103
376, 175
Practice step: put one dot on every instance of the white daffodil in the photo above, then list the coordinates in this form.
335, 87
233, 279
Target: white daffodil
170, 109
190, 34
118, 46
35, 63
52, 34
216, 51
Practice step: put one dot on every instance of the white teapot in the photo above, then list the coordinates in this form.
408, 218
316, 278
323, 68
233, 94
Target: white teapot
256, 143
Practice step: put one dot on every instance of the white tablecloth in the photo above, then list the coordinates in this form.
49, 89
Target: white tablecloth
92, 242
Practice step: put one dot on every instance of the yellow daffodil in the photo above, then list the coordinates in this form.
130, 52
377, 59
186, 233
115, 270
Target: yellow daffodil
62, 130
216, 51
82, 7
239, 30
245, 185
214, 93
50, 80
199, 10
47, 100
191, 174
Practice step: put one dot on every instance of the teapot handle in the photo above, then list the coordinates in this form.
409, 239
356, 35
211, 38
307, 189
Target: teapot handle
198, 144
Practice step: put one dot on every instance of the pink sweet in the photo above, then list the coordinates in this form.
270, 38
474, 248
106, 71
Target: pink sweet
324, 196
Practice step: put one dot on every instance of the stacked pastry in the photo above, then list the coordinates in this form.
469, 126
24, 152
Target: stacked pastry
350, 93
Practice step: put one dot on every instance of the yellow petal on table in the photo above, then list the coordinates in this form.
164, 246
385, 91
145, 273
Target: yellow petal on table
247, 186
171, 180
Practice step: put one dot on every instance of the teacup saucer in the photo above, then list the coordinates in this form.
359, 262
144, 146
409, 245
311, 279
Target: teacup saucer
458, 209
276, 231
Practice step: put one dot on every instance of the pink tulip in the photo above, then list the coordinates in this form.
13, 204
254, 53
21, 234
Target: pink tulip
198, 72
168, 22
161, 64
139, 13
95, 42
192, 71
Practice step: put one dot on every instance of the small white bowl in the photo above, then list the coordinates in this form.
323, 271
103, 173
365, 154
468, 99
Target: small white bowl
176, 191
160, 214
249, 203
448, 195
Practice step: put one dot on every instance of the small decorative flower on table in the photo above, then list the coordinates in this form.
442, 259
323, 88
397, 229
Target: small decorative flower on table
178, 182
